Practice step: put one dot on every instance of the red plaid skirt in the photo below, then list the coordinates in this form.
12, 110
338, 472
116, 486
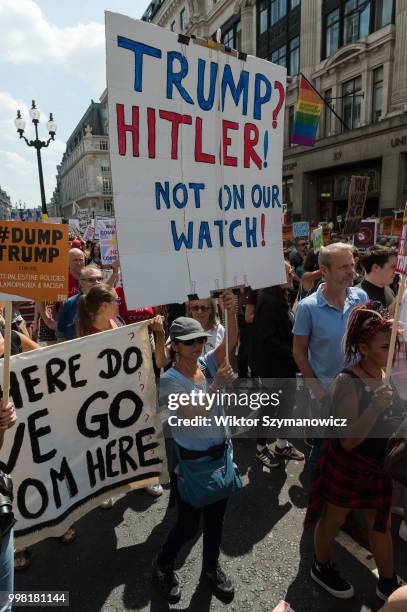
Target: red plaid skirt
349, 480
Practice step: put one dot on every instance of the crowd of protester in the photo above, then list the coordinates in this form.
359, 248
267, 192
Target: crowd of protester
328, 322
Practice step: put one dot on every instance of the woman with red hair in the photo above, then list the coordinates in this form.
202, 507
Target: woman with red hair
350, 470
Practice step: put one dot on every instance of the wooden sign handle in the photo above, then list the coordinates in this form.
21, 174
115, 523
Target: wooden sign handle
394, 330
7, 351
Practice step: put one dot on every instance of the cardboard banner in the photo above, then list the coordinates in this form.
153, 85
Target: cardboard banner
87, 428
386, 224
34, 260
397, 227
196, 150
356, 203
288, 233
366, 236
301, 229
317, 239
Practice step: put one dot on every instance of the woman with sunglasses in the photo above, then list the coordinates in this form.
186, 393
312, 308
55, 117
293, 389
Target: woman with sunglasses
204, 311
191, 374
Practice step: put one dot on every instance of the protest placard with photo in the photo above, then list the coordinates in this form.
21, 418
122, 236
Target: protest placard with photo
87, 427
366, 235
197, 182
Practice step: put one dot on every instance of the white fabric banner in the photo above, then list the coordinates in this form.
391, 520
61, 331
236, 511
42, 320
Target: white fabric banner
196, 148
87, 428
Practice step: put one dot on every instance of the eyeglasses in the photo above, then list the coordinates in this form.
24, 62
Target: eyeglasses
93, 279
200, 308
193, 341
115, 300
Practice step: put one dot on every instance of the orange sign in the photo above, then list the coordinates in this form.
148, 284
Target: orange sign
326, 234
288, 232
387, 223
34, 260
397, 227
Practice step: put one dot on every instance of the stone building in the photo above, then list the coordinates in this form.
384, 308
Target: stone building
84, 178
5, 205
354, 52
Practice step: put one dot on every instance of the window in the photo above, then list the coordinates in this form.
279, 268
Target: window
107, 206
352, 103
278, 10
183, 19
106, 185
294, 3
233, 37
294, 47
328, 116
357, 18
377, 97
264, 16
172, 27
332, 32
103, 145
104, 165
384, 13
279, 56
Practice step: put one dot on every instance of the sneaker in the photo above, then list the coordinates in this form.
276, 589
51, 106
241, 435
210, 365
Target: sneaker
167, 581
221, 585
403, 531
386, 586
329, 579
267, 458
154, 490
289, 452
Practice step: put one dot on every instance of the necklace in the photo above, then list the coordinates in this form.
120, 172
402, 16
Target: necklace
365, 371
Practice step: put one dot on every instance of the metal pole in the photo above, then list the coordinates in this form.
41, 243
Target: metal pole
39, 161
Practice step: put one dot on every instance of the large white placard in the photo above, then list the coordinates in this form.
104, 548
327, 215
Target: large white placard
87, 426
196, 145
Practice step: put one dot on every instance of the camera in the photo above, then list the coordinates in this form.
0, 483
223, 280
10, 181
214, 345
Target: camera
7, 519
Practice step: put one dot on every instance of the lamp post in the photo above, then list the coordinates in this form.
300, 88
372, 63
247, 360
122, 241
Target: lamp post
38, 144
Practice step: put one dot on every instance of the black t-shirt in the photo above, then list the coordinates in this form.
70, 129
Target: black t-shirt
384, 295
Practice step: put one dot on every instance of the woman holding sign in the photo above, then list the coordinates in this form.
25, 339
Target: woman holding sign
204, 475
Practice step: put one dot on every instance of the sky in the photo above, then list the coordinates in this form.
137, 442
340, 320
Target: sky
52, 51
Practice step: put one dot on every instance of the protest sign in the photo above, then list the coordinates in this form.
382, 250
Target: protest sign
301, 229
397, 227
356, 203
401, 268
74, 226
87, 427
34, 260
366, 235
54, 220
89, 233
386, 225
108, 251
326, 234
194, 171
288, 233
317, 239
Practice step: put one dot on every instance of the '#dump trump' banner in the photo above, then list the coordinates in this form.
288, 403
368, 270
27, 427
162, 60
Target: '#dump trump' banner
196, 140
86, 429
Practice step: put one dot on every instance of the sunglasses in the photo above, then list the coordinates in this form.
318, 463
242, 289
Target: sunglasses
200, 308
93, 279
200, 341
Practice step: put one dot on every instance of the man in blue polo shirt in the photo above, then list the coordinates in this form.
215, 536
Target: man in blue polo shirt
321, 319
66, 330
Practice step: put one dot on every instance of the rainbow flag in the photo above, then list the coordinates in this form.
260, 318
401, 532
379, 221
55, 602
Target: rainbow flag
307, 114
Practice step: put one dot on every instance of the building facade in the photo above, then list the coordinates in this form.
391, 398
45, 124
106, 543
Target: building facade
354, 52
84, 178
5, 205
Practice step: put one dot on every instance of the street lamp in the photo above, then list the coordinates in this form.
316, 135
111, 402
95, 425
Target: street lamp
38, 144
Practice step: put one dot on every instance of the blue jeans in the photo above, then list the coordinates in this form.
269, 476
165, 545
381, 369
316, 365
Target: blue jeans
6, 571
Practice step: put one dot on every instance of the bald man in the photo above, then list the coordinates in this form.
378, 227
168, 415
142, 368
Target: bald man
76, 263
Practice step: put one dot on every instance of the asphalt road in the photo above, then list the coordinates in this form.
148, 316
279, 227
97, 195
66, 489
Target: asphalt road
264, 549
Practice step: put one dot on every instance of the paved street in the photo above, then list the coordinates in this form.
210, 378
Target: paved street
264, 549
